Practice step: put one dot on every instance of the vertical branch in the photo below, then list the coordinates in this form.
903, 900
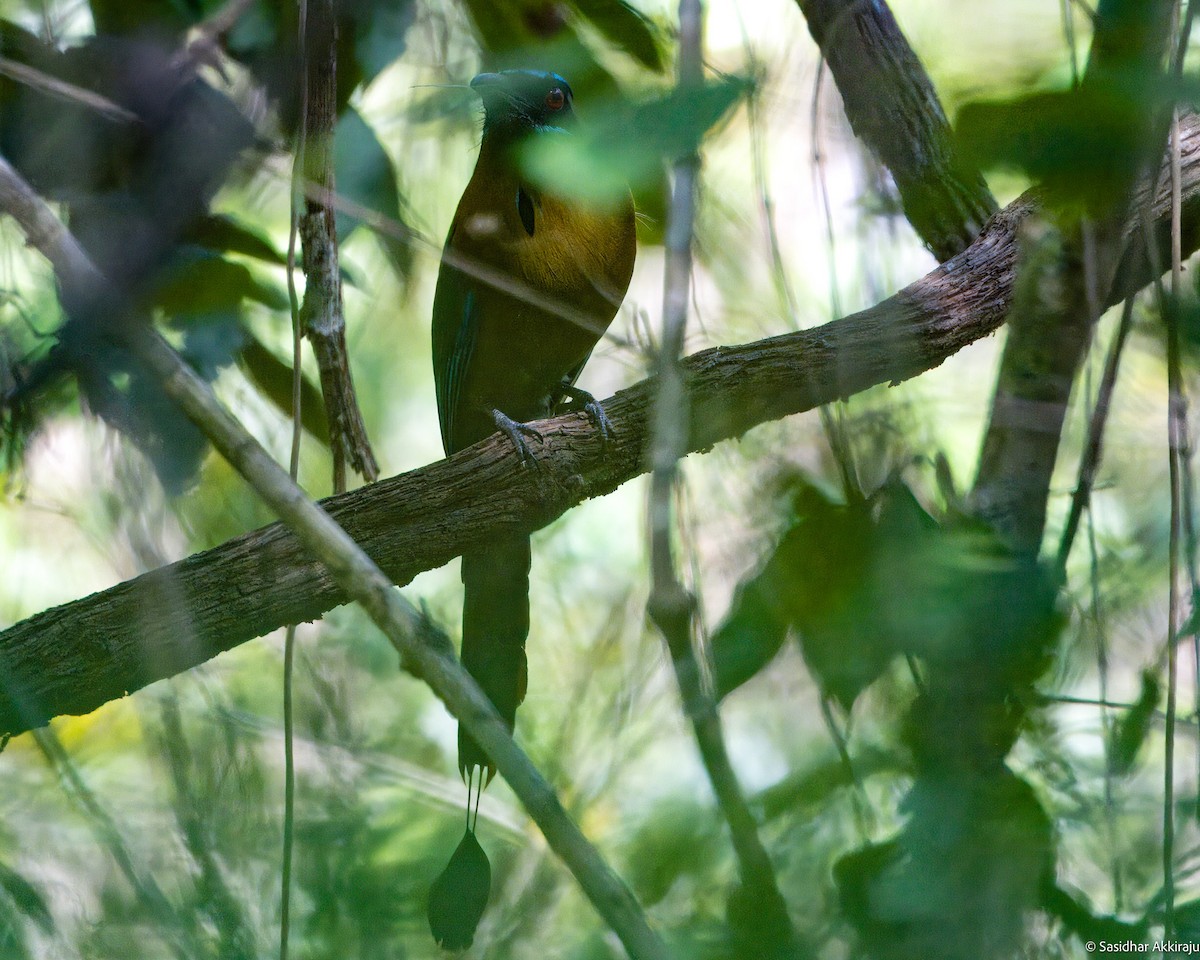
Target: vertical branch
1049, 328
296, 196
671, 607
1067, 270
1185, 442
322, 314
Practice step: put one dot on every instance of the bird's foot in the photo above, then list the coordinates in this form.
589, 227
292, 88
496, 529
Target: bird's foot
582, 400
516, 433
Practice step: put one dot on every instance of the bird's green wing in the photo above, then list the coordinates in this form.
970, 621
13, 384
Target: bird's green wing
455, 329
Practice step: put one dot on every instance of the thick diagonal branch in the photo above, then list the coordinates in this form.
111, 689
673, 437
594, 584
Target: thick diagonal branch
72, 658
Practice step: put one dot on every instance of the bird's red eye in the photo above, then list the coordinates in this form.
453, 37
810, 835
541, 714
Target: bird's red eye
556, 99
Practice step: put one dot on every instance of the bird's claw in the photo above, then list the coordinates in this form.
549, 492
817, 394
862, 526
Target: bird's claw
592, 407
516, 433
594, 410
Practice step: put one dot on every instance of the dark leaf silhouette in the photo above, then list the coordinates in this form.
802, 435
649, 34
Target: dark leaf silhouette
1131, 728
366, 176
274, 378
459, 895
27, 898
224, 233
625, 27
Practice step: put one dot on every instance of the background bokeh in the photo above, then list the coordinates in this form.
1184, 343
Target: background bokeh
152, 827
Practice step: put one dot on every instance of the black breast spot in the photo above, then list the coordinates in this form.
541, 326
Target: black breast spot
525, 209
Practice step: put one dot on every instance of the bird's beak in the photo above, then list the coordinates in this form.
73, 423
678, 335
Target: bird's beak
492, 90
486, 80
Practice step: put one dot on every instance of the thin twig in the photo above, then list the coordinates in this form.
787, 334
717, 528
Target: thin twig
289, 639
1089, 463
831, 419
894, 109
63, 90
204, 46
1068, 25
1094, 400
1172, 669
779, 272
1102, 703
289, 792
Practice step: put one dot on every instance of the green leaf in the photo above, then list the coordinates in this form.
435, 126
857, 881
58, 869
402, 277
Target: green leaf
958, 880
380, 31
624, 145
274, 378
805, 791
817, 580
864, 581
680, 839
1079, 917
145, 16
1187, 921
755, 628
199, 282
499, 23
1130, 731
366, 176
625, 27
1085, 144
225, 234
833, 603
27, 898
459, 895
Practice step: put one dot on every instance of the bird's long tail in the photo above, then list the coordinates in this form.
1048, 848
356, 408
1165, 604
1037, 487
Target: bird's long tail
495, 625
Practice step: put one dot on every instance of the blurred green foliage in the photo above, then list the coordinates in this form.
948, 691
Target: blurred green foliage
951, 810
625, 144
1081, 144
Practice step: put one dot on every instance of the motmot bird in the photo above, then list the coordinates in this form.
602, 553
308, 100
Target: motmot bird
530, 279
